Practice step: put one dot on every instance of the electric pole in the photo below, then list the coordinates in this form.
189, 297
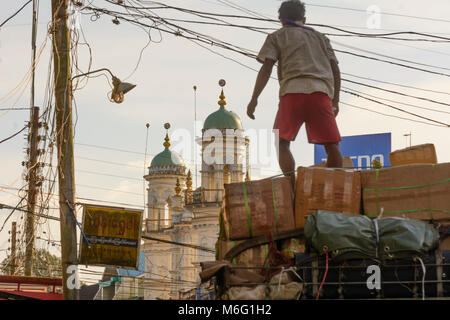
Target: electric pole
32, 176
64, 142
13, 262
32, 164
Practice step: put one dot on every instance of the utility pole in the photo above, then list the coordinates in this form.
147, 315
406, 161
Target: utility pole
33, 149
32, 176
13, 249
64, 141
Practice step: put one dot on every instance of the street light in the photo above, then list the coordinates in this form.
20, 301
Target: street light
408, 135
119, 87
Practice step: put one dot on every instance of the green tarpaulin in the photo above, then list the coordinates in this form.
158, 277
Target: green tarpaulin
358, 237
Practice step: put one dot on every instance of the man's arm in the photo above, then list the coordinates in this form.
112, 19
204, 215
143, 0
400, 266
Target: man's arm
337, 86
261, 81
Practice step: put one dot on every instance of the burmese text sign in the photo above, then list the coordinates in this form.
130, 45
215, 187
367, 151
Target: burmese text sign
113, 234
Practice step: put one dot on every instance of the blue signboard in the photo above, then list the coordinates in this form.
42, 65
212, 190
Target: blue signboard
362, 149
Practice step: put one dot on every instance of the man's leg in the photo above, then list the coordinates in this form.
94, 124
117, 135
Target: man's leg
334, 156
286, 160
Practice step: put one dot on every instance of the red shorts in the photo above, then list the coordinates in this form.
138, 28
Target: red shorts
313, 109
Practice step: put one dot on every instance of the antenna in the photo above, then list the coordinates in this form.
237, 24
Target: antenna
195, 132
408, 135
145, 165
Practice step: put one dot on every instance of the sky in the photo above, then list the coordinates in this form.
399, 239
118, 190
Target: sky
111, 154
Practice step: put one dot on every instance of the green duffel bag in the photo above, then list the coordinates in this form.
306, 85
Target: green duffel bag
347, 237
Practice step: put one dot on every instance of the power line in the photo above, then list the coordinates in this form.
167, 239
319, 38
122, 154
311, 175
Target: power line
403, 103
5, 206
179, 243
14, 109
388, 56
112, 202
385, 114
395, 84
120, 150
442, 124
203, 38
108, 189
109, 162
385, 13
108, 148
15, 134
239, 50
83, 198
391, 62
109, 175
17, 12
396, 92
259, 17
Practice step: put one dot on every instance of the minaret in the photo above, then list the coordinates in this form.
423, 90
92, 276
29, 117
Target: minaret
223, 150
167, 169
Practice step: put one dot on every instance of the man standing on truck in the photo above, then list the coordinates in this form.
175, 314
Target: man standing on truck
310, 82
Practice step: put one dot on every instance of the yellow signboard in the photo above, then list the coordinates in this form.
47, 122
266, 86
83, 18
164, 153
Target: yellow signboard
114, 236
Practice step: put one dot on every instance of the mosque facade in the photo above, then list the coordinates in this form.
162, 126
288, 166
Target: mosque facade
178, 214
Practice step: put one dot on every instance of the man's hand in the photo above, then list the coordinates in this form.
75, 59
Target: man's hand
335, 105
251, 108
261, 81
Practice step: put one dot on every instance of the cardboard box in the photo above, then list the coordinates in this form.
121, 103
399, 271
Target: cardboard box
416, 191
336, 190
253, 257
424, 153
347, 163
259, 207
292, 246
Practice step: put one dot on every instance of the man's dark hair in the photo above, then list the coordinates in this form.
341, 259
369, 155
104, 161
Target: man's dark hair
293, 10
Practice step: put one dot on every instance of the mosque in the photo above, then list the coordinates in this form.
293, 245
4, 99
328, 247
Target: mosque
178, 214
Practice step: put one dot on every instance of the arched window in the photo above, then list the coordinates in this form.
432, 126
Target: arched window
208, 195
167, 219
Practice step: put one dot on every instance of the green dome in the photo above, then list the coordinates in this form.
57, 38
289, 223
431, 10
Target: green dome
222, 119
167, 158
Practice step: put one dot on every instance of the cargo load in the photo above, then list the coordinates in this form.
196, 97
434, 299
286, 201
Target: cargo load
424, 153
258, 207
416, 191
358, 237
291, 246
336, 190
253, 257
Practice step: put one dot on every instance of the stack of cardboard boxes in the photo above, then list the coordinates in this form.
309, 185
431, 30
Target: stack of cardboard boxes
415, 187
252, 209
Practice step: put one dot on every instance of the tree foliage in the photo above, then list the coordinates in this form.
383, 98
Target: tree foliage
45, 264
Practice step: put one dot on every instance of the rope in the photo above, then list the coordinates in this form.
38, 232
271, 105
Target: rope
407, 187
324, 276
78, 224
423, 276
287, 270
274, 206
247, 210
409, 211
377, 232
279, 280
